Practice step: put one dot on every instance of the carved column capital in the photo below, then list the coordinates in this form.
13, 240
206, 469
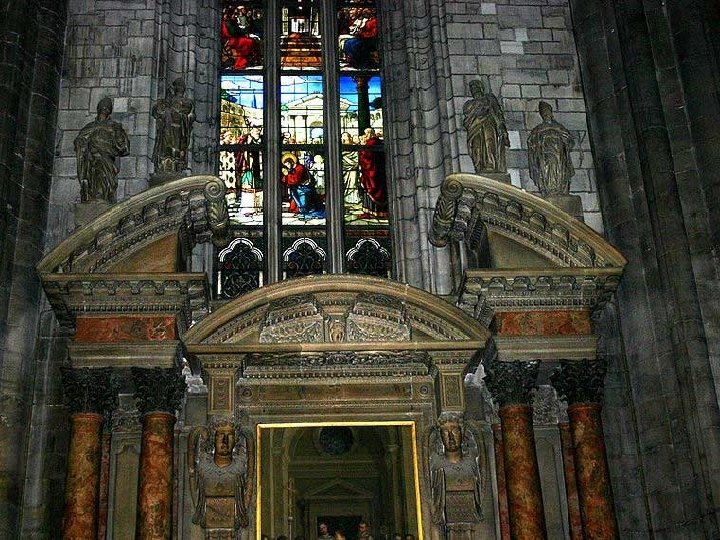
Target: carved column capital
158, 389
89, 390
580, 382
511, 383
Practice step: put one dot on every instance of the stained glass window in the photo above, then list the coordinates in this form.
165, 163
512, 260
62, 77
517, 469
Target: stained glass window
302, 147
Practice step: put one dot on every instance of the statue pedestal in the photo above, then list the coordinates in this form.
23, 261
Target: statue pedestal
571, 204
158, 179
86, 212
498, 176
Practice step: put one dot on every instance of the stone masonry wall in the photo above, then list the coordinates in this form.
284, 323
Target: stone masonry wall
131, 51
526, 47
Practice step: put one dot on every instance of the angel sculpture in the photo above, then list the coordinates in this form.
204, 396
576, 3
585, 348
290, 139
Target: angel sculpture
219, 461
455, 479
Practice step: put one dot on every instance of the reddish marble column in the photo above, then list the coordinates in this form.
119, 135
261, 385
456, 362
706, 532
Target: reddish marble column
104, 485
593, 477
83, 470
527, 515
158, 393
574, 519
501, 483
155, 490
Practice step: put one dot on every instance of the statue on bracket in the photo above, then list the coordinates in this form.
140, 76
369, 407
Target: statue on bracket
97, 146
549, 146
220, 461
455, 478
174, 117
487, 135
551, 168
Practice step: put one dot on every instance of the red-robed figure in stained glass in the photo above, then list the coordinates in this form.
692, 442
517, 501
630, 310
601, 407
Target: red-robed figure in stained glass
373, 180
241, 48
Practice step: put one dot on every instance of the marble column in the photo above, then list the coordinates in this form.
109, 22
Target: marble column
90, 395
581, 384
511, 384
158, 393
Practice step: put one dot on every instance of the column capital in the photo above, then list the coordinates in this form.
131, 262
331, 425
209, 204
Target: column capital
511, 383
580, 382
158, 389
89, 390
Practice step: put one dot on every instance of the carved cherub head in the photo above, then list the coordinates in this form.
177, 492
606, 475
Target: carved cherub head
224, 442
451, 433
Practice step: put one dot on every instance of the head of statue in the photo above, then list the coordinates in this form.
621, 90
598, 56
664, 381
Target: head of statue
323, 528
451, 433
104, 108
178, 86
477, 88
545, 110
224, 441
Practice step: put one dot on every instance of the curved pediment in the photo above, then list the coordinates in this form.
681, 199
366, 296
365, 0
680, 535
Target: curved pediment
336, 312
132, 233
474, 208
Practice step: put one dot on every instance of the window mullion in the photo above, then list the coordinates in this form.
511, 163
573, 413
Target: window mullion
333, 171
271, 119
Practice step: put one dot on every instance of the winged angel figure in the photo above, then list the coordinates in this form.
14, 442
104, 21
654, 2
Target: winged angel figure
455, 478
220, 461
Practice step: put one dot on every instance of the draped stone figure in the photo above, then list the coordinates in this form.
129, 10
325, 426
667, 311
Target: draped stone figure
455, 479
97, 146
549, 146
174, 118
487, 135
220, 459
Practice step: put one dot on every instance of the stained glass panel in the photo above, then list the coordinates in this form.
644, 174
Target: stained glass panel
301, 109
241, 146
358, 32
301, 39
241, 33
303, 180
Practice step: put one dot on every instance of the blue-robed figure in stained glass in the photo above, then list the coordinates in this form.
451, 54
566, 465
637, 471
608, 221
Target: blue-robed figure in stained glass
304, 198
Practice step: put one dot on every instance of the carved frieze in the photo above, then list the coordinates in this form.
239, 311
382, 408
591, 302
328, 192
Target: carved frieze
71, 295
337, 364
483, 292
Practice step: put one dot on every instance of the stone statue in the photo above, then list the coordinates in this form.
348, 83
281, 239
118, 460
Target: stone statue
487, 136
220, 459
97, 146
549, 148
455, 479
174, 117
